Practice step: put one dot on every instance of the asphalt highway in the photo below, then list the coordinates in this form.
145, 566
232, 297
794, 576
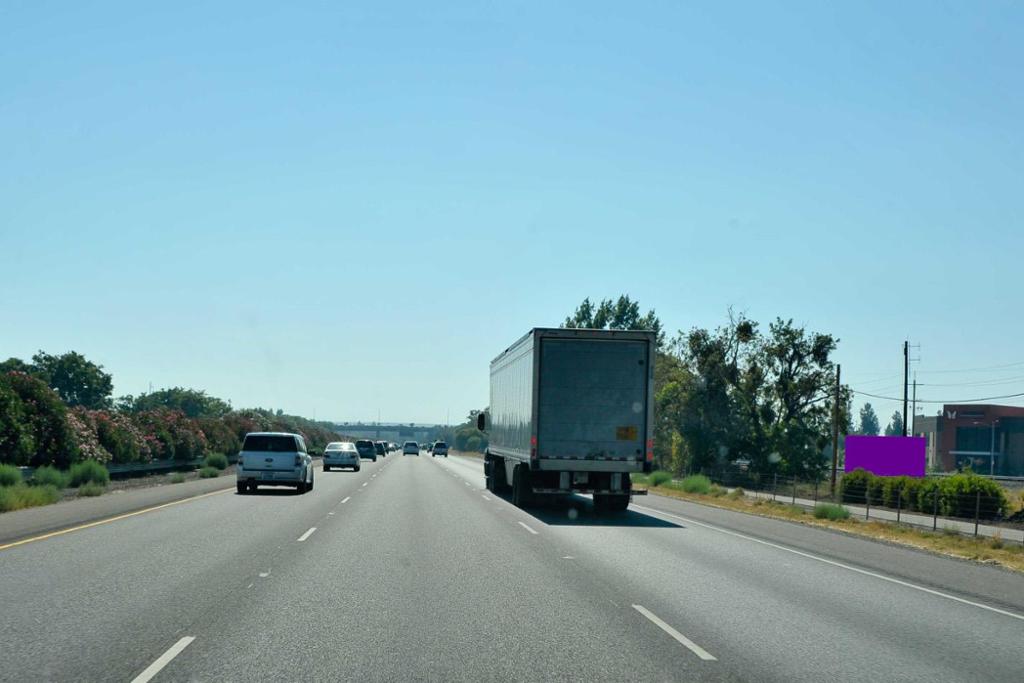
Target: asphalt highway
411, 570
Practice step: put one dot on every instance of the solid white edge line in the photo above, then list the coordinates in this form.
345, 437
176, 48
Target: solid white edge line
683, 640
527, 528
306, 535
347, 498
163, 660
841, 565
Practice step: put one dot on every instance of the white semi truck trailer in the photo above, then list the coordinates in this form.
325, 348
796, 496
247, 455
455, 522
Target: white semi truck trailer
572, 411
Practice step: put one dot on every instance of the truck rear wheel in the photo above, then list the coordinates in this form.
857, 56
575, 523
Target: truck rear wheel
522, 487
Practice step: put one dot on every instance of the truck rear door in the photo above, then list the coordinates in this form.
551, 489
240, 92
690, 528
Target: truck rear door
593, 399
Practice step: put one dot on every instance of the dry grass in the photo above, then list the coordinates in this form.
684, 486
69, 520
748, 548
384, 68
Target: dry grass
985, 550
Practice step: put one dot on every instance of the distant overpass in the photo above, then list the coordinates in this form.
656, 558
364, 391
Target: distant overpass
393, 431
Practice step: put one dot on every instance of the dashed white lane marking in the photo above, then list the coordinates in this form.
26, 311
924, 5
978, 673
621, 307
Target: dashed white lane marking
683, 640
485, 498
306, 535
527, 528
865, 572
365, 483
163, 660
347, 499
250, 586
264, 575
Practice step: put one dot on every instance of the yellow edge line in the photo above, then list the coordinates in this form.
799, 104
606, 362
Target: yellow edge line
126, 515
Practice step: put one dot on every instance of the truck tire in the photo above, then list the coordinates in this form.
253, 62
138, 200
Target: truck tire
522, 493
242, 488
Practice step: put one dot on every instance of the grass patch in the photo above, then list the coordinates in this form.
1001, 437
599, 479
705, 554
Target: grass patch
217, 460
22, 496
948, 541
89, 471
50, 476
695, 483
9, 475
737, 493
717, 491
208, 472
91, 489
659, 477
830, 511
177, 478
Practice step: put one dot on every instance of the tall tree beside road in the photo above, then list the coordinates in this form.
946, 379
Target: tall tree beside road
192, 402
735, 392
869, 425
895, 426
76, 380
621, 314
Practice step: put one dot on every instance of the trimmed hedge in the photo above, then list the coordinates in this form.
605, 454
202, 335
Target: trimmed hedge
958, 495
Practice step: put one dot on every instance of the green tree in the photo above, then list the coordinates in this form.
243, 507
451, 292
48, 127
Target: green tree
194, 403
15, 365
16, 442
895, 426
43, 433
76, 380
621, 314
868, 421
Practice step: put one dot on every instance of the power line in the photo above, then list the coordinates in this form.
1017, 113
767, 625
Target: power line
983, 383
925, 400
985, 369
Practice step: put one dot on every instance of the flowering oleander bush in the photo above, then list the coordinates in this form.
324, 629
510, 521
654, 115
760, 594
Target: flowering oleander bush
38, 429
34, 424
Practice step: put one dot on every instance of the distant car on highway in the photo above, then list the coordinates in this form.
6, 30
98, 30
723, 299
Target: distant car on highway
275, 458
439, 448
429, 446
410, 448
366, 449
341, 454
381, 449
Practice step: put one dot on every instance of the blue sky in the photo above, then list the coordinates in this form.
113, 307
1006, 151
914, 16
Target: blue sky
352, 207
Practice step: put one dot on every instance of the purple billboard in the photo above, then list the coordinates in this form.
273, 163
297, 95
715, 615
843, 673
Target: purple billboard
886, 456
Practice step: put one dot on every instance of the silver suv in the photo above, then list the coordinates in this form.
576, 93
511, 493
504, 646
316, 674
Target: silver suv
276, 458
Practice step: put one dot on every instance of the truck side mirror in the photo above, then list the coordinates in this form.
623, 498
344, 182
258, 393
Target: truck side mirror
481, 422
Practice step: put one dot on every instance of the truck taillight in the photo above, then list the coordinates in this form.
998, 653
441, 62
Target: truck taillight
533, 448
650, 450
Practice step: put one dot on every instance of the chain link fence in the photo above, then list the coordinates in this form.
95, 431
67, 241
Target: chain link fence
927, 504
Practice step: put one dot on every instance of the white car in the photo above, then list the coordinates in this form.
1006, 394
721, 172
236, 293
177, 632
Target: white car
276, 458
410, 448
341, 454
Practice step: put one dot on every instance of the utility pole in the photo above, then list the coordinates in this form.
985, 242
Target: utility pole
835, 433
906, 374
